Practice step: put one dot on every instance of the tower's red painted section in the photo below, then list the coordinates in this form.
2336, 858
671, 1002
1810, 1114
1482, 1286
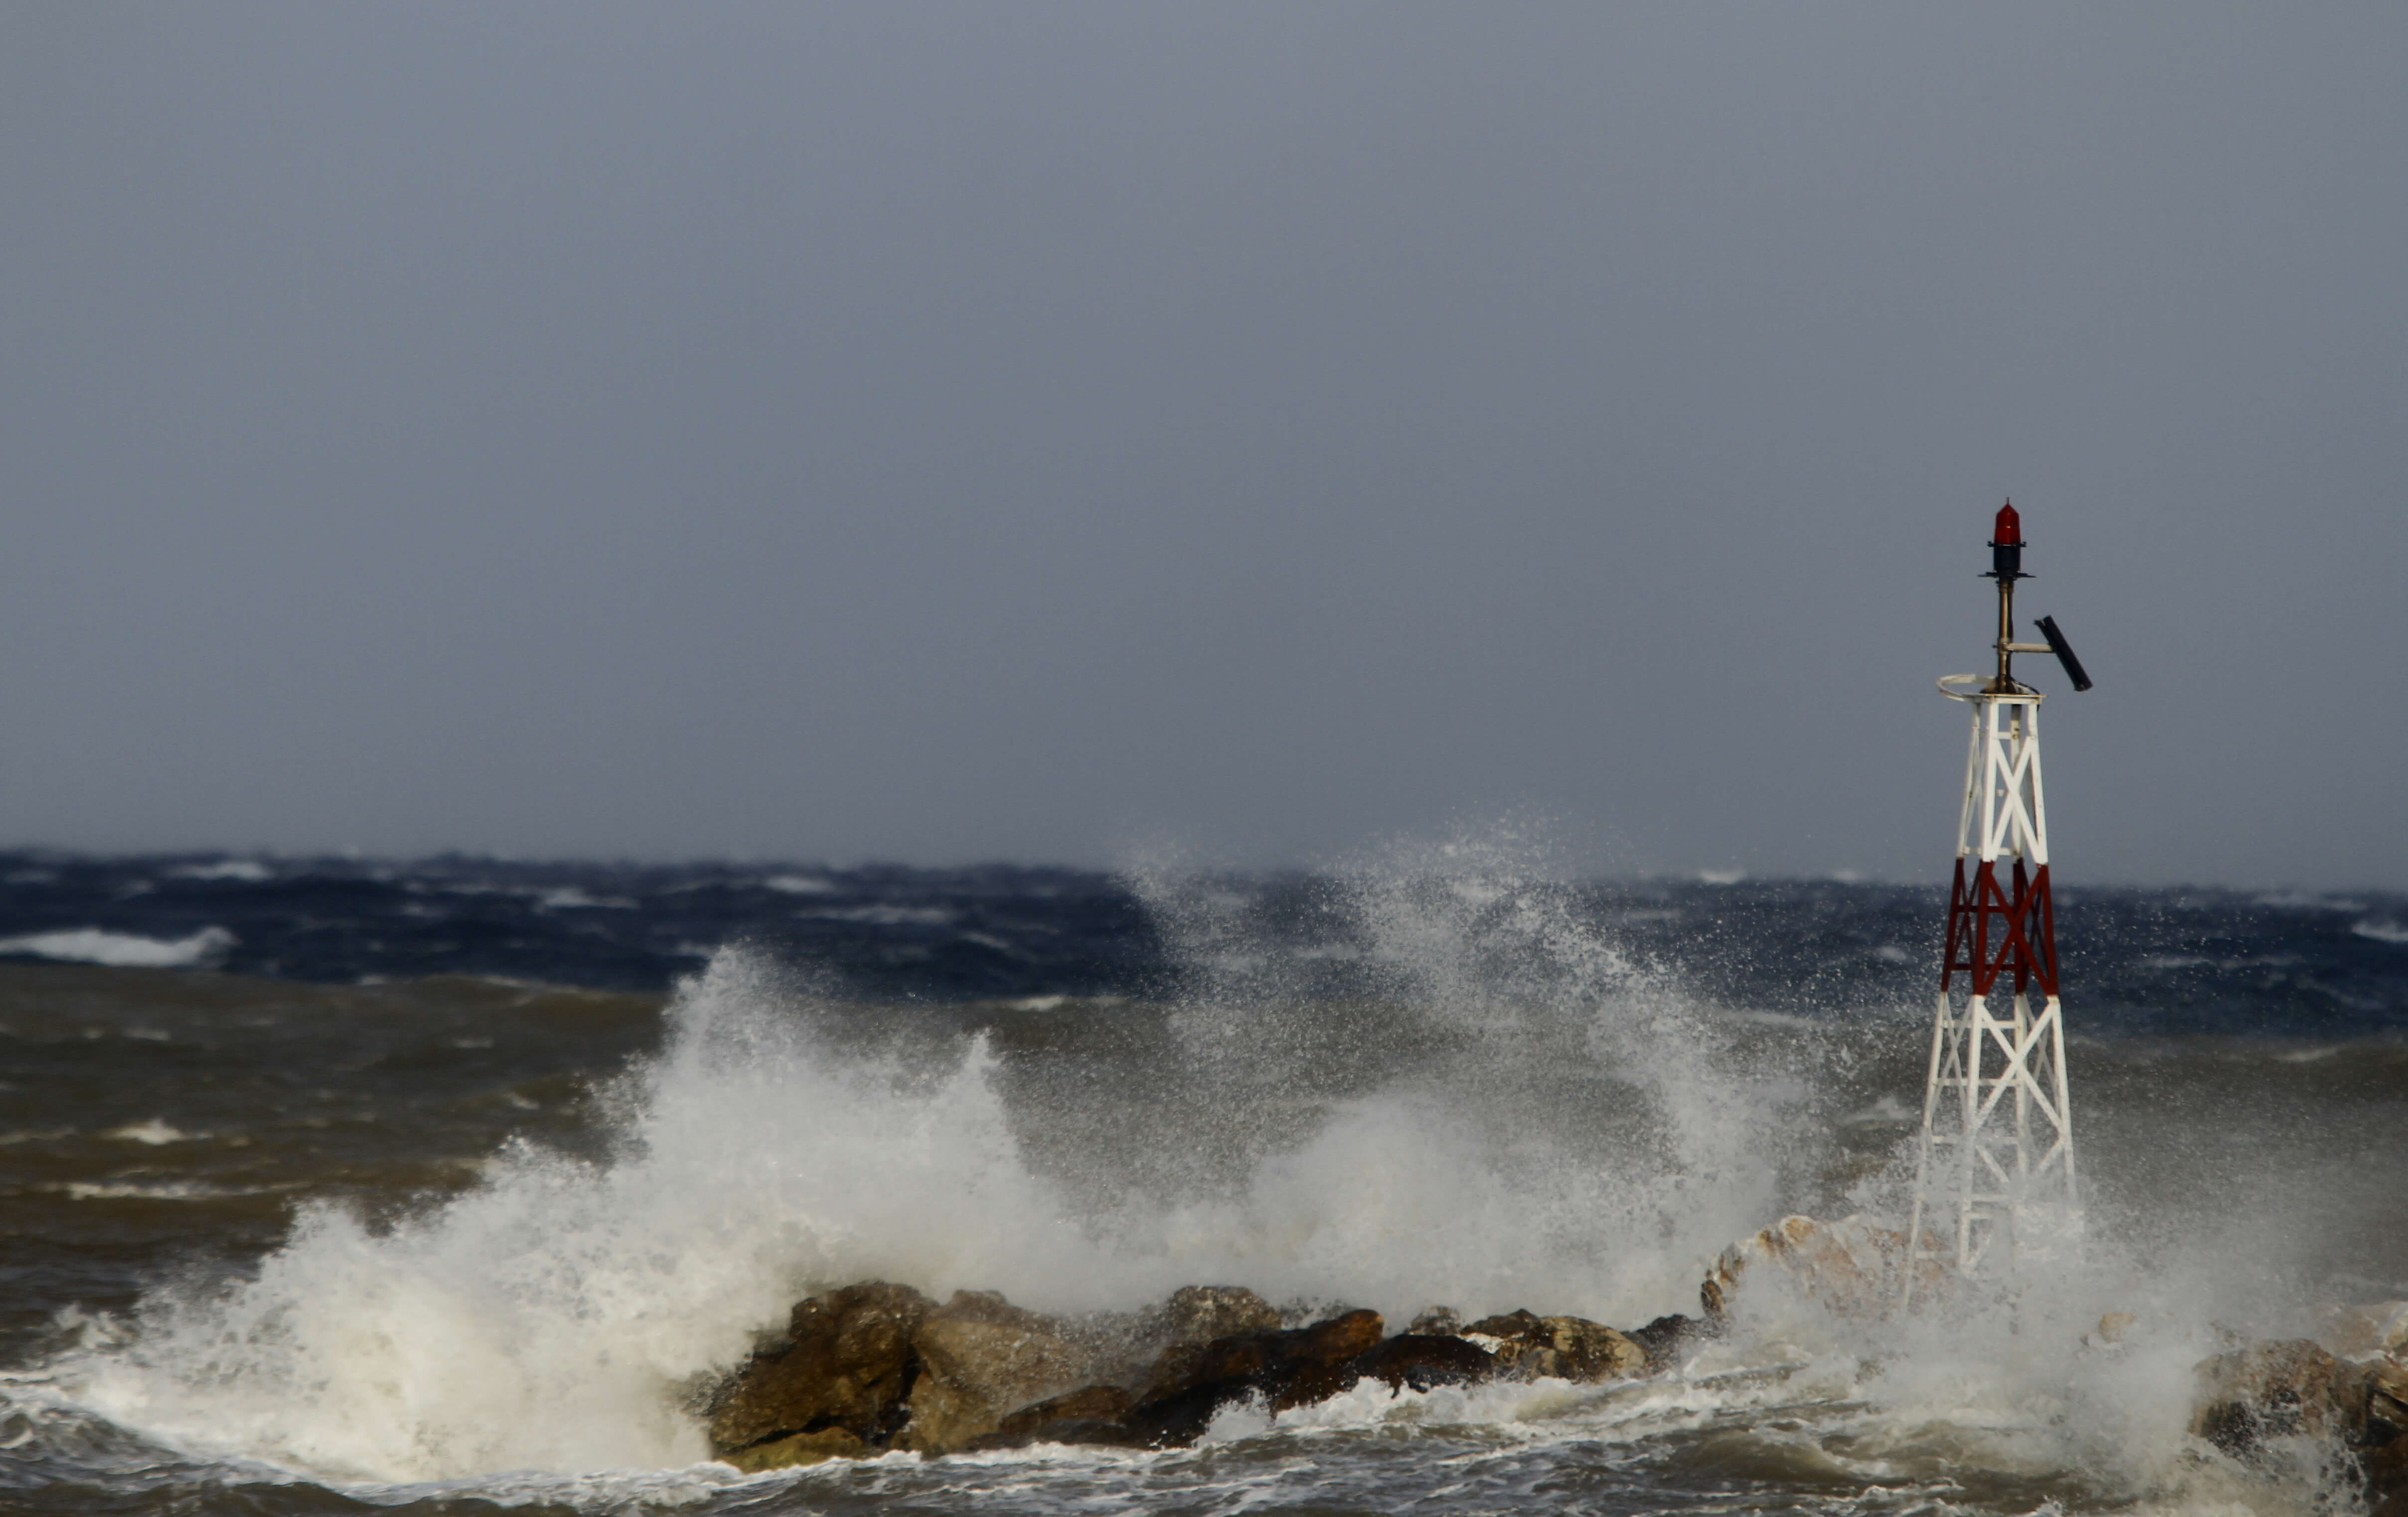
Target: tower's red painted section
1991, 932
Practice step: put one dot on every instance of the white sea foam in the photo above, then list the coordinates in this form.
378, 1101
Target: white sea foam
570, 898
885, 916
92, 946
153, 1132
160, 1190
800, 884
246, 870
2380, 932
548, 1317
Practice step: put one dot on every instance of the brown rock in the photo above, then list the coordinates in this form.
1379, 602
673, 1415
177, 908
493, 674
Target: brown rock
796, 1449
1847, 1265
2295, 1389
1088, 1415
2380, 1428
1669, 1341
1188, 1387
847, 1364
1094, 1402
1200, 1313
1339, 1337
1315, 1368
1436, 1319
981, 1358
1422, 1361
2291, 1388
1178, 1366
1569, 1348
2357, 1332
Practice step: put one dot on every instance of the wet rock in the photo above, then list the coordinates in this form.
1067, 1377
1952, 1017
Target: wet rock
1091, 1414
2357, 1331
1422, 1361
1846, 1266
2380, 1436
2294, 1388
796, 1449
1190, 1385
2265, 1391
1087, 1414
1669, 1341
1093, 1403
1532, 1347
1314, 1366
847, 1363
1200, 1313
1437, 1320
980, 1359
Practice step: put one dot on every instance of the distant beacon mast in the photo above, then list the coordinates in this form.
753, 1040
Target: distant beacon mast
1997, 1128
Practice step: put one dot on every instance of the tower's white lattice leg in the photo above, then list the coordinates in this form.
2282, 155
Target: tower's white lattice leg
1996, 1144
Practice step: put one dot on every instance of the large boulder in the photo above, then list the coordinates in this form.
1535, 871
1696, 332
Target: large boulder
846, 1363
1189, 1386
1437, 1320
1316, 1362
1667, 1341
2294, 1388
2288, 1388
980, 1359
1422, 1361
1532, 1347
2382, 1430
797, 1448
1847, 1266
2357, 1332
1200, 1313
1091, 1414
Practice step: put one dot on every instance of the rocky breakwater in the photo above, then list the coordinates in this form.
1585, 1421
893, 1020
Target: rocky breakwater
877, 1367
2264, 1401
2336, 1403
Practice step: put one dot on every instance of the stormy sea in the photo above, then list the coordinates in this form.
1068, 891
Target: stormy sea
339, 1185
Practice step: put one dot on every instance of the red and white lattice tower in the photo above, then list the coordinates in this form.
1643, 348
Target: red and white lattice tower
1997, 1126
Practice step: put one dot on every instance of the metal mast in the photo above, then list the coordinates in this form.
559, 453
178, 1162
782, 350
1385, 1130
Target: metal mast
1997, 1126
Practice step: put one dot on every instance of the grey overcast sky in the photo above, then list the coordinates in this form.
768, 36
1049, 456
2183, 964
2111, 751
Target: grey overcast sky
1058, 432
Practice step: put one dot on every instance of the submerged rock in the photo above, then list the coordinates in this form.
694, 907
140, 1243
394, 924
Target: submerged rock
846, 1363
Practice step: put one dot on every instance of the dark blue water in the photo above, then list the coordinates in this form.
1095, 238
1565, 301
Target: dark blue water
330, 1185
2156, 960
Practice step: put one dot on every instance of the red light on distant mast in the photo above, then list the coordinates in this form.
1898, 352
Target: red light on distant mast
2006, 552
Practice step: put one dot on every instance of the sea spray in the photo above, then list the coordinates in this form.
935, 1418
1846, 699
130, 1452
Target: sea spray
553, 1316
1638, 1141
557, 1314
1403, 1086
